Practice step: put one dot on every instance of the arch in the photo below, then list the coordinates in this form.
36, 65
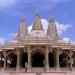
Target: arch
37, 49
38, 56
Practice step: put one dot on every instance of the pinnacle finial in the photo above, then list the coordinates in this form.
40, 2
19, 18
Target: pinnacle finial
22, 15
37, 21
37, 10
22, 12
50, 16
37, 7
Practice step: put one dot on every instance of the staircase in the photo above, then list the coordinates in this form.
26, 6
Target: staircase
38, 70
38, 73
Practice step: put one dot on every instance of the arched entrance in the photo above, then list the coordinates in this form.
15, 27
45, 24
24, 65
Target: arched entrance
37, 60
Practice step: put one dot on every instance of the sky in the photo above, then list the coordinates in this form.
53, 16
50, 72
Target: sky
63, 12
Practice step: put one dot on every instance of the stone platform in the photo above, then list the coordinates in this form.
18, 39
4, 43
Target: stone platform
34, 73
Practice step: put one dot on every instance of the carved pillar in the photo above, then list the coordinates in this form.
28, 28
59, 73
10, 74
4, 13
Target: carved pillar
29, 60
57, 59
4, 60
47, 60
18, 59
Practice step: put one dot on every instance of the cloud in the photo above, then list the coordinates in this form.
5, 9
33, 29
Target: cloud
29, 28
2, 40
68, 40
60, 27
7, 3
13, 35
45, 24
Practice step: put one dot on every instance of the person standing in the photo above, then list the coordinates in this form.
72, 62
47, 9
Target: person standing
26, 66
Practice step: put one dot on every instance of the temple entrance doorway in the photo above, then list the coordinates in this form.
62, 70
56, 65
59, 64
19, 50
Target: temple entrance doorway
37, 60
63, 59
51, 59
24, 58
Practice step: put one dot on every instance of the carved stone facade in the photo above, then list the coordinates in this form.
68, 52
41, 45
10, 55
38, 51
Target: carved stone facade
37, 51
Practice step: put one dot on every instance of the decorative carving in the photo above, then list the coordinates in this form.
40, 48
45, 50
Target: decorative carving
40, 49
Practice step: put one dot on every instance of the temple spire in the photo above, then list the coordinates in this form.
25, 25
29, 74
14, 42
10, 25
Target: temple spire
52, 30
37, 22
23, 30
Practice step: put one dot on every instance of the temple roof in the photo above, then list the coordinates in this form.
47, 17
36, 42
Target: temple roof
37, 36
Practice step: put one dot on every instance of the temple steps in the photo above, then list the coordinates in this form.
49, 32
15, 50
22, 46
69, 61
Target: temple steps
25, 73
